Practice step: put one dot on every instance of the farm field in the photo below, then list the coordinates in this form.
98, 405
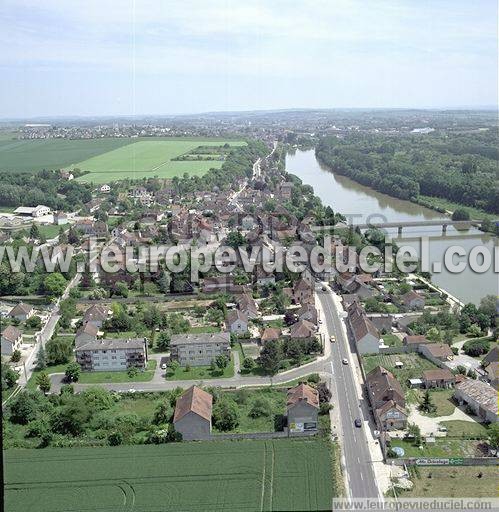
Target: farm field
284, 474
35, 155
148, 158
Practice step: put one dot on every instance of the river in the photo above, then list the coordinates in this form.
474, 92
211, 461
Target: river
350, 198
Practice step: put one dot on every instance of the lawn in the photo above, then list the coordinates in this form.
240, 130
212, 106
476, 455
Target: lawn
49, 231
460, 428
453, 482
392, 340
201, 372
60, 368
35, 155
442, 447
105, 377
245, 399
442, 399
281, 474
414, 364
148, 158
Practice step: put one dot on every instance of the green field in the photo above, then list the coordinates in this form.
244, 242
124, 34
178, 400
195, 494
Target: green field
35, 155
247, 475
109, 159
148, 158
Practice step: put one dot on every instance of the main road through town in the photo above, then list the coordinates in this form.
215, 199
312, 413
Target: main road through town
357, 459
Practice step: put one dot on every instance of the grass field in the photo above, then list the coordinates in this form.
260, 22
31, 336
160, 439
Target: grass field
105, 377
456, 482
147, 158
35, 155
247, 475
201, 372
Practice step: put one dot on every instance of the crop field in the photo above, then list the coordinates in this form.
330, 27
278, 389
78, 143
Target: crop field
148, 158
110, 159
35, 155
245, 475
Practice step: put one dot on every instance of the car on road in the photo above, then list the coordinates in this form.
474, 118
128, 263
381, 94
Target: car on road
132, 390
319, 321
324, 288
358, 423
163, 366
344, 360
332, 339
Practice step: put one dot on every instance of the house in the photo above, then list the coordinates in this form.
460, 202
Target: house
22, 312
96, 315
112, 354
437, 353
285, 189
218, 284
356, 284
491, 366
270, 334
387, 399
480, 397
12, 338
263, 277
303, 292
105, 189
60, 218
86, 333
302, 330
237, 321
192, 417
413, 300
302, 406
199, 349
247, 305
32, 211
413, 342
365, 334
438, 378
307, 312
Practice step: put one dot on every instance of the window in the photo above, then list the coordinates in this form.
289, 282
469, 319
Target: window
113, 357
113, 351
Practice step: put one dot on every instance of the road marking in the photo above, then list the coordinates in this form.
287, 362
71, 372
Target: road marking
361, 476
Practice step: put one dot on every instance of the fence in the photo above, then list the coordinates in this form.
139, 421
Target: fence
451, 461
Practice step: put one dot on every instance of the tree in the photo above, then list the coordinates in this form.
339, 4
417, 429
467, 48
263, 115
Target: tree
73, 371
43, 382
475, 348
248, 363
9, 377
54, 284
427, 404
34, 322
132, 372
16, 356
34, 232
324, 393
41, 362
71, 418
235, 239
115, 438
63, 237
162, 414
23, 408
460, 214
58, 351
270, 357
414, 431
488, 307
225, 414
260, 406
294, 350
493, 432
164, 340
222, 362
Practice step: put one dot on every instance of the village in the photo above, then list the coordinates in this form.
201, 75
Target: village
426, 366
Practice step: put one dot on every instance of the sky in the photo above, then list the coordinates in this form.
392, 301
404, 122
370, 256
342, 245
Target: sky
159, 57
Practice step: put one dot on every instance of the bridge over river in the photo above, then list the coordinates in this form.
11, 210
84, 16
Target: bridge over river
400, 225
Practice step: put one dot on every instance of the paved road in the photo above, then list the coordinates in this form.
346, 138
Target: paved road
357, 456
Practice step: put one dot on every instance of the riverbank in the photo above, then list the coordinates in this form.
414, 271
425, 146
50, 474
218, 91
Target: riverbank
437, 204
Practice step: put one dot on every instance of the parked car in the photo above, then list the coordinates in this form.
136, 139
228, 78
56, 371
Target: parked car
344, 361
332, 339
163, 366
358, 423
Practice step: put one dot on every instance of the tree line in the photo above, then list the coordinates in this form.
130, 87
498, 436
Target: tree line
458, 167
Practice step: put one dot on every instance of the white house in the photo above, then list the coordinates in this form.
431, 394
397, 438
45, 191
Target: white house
105, 189
237, 321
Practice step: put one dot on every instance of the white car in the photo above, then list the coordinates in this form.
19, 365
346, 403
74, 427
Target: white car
344, 361
163, 366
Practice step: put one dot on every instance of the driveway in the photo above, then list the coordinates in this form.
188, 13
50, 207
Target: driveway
429, 426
